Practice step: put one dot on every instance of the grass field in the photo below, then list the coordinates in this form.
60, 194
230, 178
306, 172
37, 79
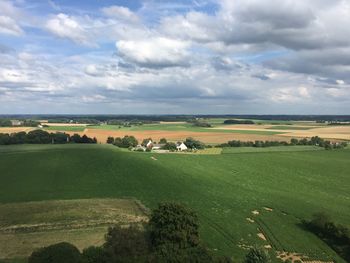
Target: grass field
29, 225
225, 189
66, 128
299, 148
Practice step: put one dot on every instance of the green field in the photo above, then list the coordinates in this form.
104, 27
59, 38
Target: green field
29, 225
224, 189
66, 128
299, 148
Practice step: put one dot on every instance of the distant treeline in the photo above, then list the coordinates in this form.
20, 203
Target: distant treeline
238, 122
338, 123
24, 123
43, 137
103, 118
335, 235
316, 141
198, 123
78, 120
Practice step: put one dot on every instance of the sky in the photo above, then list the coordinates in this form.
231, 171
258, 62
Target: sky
175, 57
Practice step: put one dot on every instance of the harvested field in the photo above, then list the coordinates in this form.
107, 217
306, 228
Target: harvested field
15, 129
330, 132
206, 137
83, 222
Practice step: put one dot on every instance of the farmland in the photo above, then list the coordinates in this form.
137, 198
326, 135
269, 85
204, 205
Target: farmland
218, 132
26, 226
239, 197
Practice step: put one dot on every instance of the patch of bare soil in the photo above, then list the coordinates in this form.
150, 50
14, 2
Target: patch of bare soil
261, 236
297, 257
268, 209
153, 158
255, 212
15, 129
250, 220
331, 132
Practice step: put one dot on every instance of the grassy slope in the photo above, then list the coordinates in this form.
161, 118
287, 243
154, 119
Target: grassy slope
298, 148
224, 189
30, 225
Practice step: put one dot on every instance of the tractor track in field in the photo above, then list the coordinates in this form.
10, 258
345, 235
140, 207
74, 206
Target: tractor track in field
220, 230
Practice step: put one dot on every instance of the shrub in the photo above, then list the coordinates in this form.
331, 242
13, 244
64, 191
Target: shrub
194, 144
110, 140
57, 253
94, 255
126, 244
173, 226
257, 255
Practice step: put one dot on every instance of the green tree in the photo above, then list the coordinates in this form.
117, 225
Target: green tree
294, 141
128, 141
194, 144
126, 244
170, 146
57, 253
174, 225
163, 141
94, 255
38, 137
257, 255
110, 140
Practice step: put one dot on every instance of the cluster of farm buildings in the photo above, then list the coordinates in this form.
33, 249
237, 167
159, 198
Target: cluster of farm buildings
180, 146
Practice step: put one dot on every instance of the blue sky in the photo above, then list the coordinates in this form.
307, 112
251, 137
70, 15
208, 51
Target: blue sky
177, 57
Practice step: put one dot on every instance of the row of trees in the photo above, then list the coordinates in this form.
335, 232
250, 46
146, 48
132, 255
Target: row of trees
172, 235
24, 123
317, 141
43, 137
238, 122
125, 142
335, 235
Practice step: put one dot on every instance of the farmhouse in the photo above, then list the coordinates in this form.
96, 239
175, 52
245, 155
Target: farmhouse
180, 146
139, 148
157, 146
16, 123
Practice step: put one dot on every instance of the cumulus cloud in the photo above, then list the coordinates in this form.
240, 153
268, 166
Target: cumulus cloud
9, 26
154, 52
243, 56
120, 12
65, 26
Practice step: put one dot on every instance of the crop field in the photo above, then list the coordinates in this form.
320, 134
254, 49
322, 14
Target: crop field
207, 137
69, 128
293, 127
26, 226
242, 199
298, 148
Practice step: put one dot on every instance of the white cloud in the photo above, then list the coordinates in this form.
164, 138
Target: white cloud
66, 26
9, 26
120, 13
154, 52
92, 70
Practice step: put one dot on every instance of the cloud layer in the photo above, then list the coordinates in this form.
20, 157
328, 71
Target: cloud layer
279, 57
